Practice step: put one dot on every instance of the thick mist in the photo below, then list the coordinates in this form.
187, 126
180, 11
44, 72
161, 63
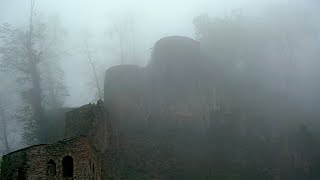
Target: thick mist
236, 82
94, 20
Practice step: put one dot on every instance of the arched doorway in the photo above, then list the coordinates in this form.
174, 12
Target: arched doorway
67, 165
21, 174
51, 168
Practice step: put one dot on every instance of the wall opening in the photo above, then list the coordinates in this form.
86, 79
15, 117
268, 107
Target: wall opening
67, 165
21, 174
51, 168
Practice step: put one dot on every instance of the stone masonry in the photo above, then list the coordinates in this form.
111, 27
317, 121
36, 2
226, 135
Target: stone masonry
74, 158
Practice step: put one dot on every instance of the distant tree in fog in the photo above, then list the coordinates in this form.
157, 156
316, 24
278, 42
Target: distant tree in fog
123, 32
32, 52
9, 125
94, 70
266, 64
4, 127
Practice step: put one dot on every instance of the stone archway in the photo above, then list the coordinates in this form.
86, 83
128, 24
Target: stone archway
51, 168
67, 165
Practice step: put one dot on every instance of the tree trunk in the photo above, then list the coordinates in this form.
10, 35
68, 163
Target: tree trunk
4, 130
94, 71
36, 91
36, 104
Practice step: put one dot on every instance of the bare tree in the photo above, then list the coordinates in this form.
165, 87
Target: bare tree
94, 71
123, 32
9, 126
24, 51
20, 54
4, 126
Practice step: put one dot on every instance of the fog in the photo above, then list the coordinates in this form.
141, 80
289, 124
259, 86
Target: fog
152, 20
232, 79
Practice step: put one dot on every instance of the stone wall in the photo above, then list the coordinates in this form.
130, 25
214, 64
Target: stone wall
92, 121
33, 162
14, 165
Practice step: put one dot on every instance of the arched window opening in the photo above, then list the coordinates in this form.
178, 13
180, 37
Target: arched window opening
21, 174
51, 168
67, 165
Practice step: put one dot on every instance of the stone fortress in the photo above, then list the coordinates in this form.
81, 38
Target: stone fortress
89, 140
156, 122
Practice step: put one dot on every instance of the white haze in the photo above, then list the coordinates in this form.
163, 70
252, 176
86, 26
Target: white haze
152, 19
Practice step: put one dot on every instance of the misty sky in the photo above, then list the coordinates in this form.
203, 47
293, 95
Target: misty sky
153, 19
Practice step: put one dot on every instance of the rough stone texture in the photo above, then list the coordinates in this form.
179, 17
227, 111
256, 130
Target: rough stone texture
92, 121
31, 163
